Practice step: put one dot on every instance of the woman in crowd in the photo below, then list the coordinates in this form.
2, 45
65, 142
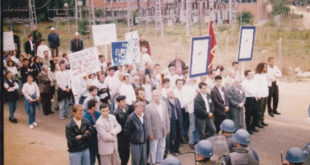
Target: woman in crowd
36, 67
12, 68
32, 96
11, 94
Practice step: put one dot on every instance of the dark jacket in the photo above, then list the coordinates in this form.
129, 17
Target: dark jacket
24, 73
219, 105
88, 116
173, 121
200, 108
53, 40
72, 130
135, 130
28, 48
36, 69
73, 47
37, 36
121, 118
44, 83
10, 95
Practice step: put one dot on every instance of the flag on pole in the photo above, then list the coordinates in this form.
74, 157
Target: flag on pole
212, 45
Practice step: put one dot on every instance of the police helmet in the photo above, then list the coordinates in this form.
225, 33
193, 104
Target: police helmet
295, 155
228, 126
242, 136
171, 161
204, 148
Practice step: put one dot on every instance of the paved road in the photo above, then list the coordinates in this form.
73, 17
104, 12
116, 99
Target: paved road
46, 144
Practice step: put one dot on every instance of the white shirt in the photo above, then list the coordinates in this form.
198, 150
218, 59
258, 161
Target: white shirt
145, 58
274, 73
12, 69
172, 79
210, 84
249, 88
191, 92
140, 117
77, 85
222, 94
103, 66
180, 94
63, 79
31, 45
164, 92
113, 84
93, 82
160, 110
261, 84
30, 89
128, 91
148, 91
41, 49
204, 97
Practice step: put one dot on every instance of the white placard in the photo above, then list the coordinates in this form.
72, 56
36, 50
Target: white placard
104, 34
246, 43
8, 41
84, 62
133, 50
199, 56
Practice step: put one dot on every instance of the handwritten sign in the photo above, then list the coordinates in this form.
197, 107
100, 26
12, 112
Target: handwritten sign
84, 62
246, 43
133, 51
8, 41
104, 34
119, 52
199, 56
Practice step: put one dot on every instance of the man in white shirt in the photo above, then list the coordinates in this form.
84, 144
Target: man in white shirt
273, 73
42, 48
172, 76
251, 105
158, 122
127, 90
210, 80
64, 89
103, 63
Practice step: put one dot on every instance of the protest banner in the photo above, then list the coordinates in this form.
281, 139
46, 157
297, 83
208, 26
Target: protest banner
246, 43
119, 53
104, 34
8, 41
84, 62
199, 56
133, 50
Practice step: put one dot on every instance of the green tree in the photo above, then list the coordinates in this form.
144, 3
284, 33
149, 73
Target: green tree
246, 17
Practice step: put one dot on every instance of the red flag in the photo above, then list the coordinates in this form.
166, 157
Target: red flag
212, 45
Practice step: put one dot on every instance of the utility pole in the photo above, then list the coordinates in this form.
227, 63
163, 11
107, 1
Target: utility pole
158, 19
188, 16
76, 16
92, 17
32, 13
128, 15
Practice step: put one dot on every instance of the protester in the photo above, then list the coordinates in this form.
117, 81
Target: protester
273, 73
42, 48
92, 94
76, 43
45, 83
31, 93
178, 63
11, 94
54, 42
29, 47
78, 134
37, 37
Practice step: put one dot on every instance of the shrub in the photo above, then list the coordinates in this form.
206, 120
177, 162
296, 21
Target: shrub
246, 17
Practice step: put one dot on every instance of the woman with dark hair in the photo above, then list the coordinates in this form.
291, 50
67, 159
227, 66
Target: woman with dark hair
36, 66
261, 82
11, 94
32, 96
12, 68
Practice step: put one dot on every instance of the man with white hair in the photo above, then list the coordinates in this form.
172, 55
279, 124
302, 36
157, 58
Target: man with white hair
54, 42
45, 90
157, 115
76, 43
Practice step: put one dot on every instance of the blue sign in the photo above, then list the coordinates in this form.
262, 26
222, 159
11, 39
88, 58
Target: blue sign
119, 52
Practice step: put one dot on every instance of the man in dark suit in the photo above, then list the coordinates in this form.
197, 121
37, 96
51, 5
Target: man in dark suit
76, 43
204, 109
220, 100
176, 122
29, 46
137, 133
121, 115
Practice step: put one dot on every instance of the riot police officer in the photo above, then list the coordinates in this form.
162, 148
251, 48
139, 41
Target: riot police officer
242, 154
204, 152
227, 129
295, 156
171, 161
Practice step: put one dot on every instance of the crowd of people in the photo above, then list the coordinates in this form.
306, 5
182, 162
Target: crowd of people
142, 110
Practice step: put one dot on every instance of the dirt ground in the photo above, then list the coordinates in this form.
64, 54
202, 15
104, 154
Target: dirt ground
46, 144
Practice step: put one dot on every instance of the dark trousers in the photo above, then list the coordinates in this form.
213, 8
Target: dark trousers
46, 103
93, 151
175, 140
262, 109
185, 121
54, 52
167, 146
251, 113
274, 97
217, 121
123, 149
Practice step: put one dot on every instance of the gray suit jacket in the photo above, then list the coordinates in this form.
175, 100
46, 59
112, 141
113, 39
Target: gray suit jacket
157, 128
235, 97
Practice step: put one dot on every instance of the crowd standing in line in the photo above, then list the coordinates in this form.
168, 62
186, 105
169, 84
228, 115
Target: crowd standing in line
141, 110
